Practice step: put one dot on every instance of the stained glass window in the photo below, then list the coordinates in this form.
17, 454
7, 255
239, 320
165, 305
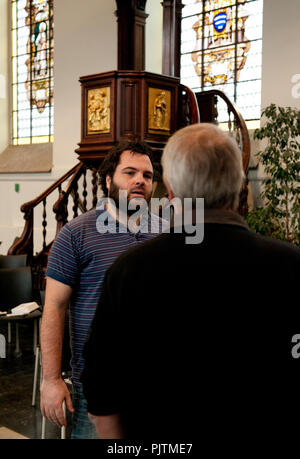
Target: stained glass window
221, 48
32, 71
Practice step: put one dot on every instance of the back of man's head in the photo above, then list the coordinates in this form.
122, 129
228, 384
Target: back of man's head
202, 161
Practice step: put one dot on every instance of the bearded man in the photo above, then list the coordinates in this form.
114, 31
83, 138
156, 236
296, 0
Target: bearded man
79, 259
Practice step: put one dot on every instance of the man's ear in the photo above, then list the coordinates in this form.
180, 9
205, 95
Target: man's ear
108, 182
171, 194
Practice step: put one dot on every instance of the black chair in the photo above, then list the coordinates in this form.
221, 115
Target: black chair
16, 288
12, 261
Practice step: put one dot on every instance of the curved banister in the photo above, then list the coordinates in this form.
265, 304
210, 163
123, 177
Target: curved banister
192, 103
239, 120
24, 244
75, 176
31, 204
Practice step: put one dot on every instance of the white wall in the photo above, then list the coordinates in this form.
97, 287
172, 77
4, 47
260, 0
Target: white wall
154, 36
281, 51
11, 219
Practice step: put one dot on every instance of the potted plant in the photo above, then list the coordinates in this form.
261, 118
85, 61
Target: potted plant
280, 216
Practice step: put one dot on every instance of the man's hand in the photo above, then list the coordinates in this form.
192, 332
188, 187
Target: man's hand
53, 393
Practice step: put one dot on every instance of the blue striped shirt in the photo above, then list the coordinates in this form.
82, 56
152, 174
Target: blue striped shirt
79, 258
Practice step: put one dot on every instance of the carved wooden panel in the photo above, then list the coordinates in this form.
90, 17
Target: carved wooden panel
128, 126
159, 110
98, 110
126, 105
98, 106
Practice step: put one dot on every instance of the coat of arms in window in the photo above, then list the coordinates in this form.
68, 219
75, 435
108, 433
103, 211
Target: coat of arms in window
221, 46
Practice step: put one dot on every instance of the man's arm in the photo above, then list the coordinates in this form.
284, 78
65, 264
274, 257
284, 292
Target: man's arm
53, 390
109, 426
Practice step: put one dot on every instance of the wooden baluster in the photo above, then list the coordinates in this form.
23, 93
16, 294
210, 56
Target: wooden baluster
84, 192
229, 119
238, 138
186, 109
62, 213
44, 223
95, 186
75, 199
25, 243
215, 113
65, 211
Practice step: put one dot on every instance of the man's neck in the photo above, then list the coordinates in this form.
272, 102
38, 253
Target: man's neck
121, 215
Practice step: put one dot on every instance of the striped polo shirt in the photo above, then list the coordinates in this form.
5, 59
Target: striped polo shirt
79, 258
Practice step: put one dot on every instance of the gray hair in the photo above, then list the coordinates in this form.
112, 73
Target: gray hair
202, 161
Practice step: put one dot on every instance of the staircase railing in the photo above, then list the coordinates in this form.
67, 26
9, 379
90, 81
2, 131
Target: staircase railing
188, 109
231, 120
208, 102
76, 194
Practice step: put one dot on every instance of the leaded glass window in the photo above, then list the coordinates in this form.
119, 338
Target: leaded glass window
32, 71
221, 48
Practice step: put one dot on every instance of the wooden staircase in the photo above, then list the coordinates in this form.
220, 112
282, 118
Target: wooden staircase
77, 191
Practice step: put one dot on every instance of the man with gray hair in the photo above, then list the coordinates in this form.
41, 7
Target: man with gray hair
203, 161
198, 340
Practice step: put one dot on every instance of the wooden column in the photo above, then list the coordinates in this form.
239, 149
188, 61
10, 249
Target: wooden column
171, 37
131, 34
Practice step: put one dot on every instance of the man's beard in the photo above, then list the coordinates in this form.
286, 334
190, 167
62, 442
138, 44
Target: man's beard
113, 193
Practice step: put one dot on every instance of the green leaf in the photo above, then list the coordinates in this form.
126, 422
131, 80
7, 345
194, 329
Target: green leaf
281, 161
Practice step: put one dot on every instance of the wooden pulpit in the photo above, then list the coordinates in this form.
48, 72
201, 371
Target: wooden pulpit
126, 105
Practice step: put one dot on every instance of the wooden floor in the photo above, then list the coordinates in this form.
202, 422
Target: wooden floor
18, 418
7, 434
